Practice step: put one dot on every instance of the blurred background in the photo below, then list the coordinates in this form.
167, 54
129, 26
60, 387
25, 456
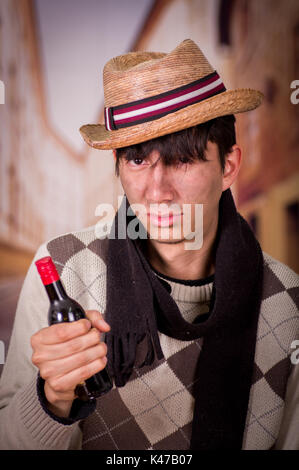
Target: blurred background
52, 53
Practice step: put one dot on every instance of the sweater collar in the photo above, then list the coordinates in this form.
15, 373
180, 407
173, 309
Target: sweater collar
188, 291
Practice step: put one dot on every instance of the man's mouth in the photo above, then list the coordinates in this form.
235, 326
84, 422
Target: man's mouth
163, 220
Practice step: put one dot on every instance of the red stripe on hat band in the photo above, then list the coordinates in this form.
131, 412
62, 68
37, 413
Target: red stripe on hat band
173, 107
167, 97
153, 107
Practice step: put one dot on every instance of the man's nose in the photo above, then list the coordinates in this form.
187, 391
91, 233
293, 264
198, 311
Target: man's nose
159, 187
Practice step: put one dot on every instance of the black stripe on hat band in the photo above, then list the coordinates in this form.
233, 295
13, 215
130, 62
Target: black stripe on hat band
157, 106
166, 93
109, 121
162, 114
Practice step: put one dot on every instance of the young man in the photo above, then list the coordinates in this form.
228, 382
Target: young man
199, 336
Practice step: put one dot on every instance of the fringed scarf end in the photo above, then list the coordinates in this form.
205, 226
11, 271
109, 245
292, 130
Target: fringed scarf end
122, 354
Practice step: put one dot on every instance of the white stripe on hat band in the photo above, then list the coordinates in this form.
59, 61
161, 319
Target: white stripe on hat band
179, 99
107, 120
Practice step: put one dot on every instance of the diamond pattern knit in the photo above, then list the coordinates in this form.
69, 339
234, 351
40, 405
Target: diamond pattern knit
155, 408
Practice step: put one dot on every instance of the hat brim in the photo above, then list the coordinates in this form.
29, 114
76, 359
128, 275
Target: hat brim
228, 102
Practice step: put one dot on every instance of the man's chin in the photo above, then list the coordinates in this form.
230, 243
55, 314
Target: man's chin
167, 241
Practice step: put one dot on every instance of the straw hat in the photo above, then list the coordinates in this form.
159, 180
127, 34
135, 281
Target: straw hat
150, 94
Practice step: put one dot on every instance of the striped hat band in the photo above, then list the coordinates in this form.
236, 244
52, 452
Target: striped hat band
155, 107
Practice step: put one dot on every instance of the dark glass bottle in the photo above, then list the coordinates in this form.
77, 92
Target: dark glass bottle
64, 309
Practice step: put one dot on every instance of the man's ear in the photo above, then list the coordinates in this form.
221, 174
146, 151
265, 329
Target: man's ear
232, 167
114, 154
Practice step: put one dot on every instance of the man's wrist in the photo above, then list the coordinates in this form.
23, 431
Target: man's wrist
65, 413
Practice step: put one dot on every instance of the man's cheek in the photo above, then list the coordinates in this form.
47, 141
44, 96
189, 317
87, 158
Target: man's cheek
133, 185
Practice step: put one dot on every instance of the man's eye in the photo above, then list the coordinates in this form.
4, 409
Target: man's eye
136, 161
184, 160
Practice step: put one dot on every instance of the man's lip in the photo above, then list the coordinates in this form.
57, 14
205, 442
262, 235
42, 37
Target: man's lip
163, 216
163, 220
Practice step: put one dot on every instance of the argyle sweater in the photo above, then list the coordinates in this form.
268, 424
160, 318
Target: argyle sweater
155, 408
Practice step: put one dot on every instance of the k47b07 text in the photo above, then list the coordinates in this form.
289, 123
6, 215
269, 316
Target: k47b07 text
171, 459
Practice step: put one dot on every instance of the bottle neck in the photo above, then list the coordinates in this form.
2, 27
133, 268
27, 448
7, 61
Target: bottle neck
56, 291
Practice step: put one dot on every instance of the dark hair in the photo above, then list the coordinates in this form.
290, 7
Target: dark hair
186, 145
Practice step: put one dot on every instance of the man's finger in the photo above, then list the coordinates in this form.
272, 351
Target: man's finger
69, 381
61, 332
50, 352
61, 367
97, 320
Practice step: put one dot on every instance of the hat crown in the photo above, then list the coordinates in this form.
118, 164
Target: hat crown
151, 94
138, 75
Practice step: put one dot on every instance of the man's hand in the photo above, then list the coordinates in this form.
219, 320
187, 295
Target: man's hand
66, 355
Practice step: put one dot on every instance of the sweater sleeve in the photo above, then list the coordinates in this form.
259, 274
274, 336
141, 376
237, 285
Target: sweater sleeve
288, 438
24, 422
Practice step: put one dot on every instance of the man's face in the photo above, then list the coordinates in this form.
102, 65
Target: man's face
169, 194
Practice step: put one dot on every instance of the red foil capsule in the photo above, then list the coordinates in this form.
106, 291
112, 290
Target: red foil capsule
47, 270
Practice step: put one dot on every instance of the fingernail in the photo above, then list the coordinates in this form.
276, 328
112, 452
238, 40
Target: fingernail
102, 322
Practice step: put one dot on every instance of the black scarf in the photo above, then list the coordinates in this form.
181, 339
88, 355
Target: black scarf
138, 305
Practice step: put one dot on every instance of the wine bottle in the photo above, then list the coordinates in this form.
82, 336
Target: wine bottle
65, 309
